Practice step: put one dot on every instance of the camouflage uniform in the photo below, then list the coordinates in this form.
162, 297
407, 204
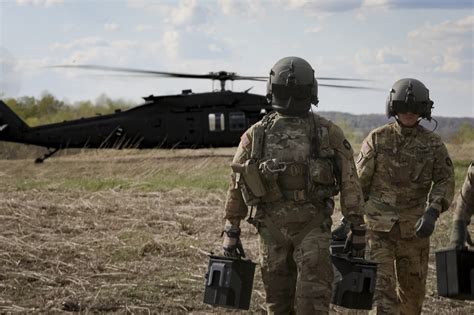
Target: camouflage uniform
400, 170
465, 201
293, 218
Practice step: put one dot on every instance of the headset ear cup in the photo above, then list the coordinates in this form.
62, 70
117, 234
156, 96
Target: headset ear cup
314, 100
314, 93
388, 108
269, 98
428, 110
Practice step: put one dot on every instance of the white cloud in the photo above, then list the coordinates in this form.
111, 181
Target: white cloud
79, 43
45, 3
111, 27
323, 6
446, 30
388, 55
184, 13
143, 27
417, 4
315, 29
10, 74
148, 5
94, 50
446, 47
171, 43
249, 8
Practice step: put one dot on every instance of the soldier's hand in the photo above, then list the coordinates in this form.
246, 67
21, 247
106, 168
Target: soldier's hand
232, 245
458, 234
425, 225
355, 242
341, 231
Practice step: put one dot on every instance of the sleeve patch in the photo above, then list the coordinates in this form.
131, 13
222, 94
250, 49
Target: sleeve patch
347, 144
244, 140
365, 148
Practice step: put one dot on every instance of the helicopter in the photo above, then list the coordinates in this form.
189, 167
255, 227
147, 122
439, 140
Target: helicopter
186, 120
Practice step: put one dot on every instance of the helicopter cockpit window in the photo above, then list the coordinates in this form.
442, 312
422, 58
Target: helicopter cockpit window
236, 121
216, 122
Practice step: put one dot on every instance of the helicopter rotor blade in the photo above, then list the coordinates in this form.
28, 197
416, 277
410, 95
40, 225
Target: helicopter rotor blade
343, 79
220, 75
136, 71
251, 78
351, 87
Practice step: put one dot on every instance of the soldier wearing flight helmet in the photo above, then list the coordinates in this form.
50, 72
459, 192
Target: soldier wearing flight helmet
407, 178
287, 169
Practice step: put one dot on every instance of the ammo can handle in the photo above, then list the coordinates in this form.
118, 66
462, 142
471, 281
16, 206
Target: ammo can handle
216, 267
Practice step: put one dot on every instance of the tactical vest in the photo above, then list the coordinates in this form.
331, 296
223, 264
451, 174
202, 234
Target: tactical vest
294, 158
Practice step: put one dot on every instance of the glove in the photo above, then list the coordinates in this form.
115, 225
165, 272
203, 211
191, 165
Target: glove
355, 242
232, 245
458, 234
341, 231
425, 225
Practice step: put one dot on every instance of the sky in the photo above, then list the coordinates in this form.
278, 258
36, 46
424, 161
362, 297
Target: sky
379, 40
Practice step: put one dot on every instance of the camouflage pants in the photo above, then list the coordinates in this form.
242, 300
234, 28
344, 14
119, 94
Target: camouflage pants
297, 276
401, 272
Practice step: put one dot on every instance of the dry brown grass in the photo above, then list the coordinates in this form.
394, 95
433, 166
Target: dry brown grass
100, 231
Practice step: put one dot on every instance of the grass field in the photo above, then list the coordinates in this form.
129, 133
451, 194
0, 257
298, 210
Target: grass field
129, 231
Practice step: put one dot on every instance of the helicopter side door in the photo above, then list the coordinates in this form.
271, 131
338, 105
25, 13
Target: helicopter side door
183, 129
224, 128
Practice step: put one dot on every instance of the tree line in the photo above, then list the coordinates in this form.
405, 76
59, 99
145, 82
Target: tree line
47, 109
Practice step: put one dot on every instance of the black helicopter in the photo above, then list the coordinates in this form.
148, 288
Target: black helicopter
211, 119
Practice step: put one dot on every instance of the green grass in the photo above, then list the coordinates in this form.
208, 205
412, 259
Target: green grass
213, 177
460, 171
216, 178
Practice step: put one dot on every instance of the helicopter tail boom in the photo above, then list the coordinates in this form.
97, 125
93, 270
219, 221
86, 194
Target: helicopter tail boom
12, 127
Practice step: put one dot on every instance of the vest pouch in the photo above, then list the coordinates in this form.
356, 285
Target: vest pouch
270, 171
321, 172
251, 177
249, 198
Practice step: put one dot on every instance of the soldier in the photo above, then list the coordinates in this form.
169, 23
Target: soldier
464, 210
407, 178
289, 166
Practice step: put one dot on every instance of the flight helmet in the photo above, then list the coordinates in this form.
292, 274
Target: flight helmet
409, 95
292, 87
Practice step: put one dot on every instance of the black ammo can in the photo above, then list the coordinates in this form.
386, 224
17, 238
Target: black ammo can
229, 282
455, 273
354, 279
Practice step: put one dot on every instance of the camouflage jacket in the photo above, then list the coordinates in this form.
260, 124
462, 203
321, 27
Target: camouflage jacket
289, 139
465, 201
400, 169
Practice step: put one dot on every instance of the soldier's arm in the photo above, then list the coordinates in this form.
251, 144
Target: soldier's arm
366, 164
465, 201
350, 189
442, 191
235, 207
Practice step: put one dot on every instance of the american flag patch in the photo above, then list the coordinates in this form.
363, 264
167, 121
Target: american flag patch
244, 140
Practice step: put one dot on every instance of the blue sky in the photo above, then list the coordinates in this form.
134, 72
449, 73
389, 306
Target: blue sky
382, 40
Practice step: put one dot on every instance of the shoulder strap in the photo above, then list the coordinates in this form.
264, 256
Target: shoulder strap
258, 136
315, 138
